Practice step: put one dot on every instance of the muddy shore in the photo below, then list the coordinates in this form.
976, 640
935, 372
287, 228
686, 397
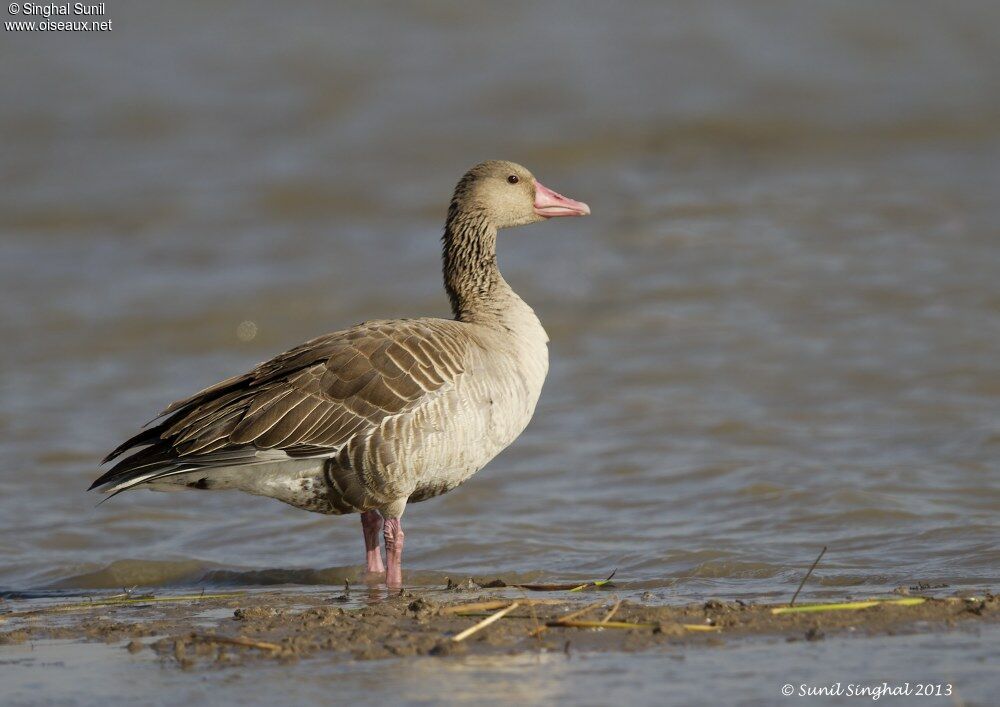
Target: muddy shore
234, 629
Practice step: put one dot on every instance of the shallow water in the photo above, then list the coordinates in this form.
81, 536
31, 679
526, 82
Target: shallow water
93, 675
778, 331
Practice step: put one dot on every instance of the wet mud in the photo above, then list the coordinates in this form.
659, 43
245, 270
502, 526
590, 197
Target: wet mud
233, 630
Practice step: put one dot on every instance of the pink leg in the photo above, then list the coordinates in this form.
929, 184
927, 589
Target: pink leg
394, 552
371, 524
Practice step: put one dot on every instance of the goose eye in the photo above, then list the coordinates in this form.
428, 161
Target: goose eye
512, 179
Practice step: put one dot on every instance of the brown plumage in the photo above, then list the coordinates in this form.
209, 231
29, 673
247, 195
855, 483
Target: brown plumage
312, 398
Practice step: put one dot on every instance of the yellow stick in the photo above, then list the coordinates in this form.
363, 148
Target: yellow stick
599, 624
847, 606
568, 617
598, 583
489, 605
485, 622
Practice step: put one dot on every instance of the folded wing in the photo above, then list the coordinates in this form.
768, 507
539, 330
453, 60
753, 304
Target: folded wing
309, 401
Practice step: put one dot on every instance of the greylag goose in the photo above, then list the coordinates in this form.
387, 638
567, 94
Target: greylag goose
388, 412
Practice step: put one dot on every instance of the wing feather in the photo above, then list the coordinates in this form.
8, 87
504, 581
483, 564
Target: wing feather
279, 435
311, 400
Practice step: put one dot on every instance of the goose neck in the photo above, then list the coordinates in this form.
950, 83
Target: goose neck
472, 278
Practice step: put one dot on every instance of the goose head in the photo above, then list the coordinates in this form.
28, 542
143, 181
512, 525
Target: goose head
506, 194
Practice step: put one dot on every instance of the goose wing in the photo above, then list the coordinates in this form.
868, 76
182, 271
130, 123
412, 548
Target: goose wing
309, 401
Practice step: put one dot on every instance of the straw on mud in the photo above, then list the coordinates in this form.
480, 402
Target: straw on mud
803, 582
82, 606
625, 624
847, 606
486, 622
574, 623
566, 587
598, 583
474, 606
568, 617
237, 641
496, 604
610, 614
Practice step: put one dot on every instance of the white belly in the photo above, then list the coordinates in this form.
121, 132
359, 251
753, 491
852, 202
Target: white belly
298, 482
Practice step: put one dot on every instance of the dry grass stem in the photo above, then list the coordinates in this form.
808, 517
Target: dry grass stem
486, 622
614, 610
579, 587
498, 604
624, 624
568, 617
237, 641
847, 606
101, 603
575, 623
803, 582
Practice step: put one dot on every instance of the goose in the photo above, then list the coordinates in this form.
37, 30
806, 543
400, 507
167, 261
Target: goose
386, 413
